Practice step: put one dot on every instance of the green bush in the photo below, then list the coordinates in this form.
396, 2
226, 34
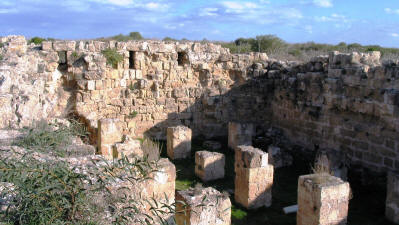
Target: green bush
1, 57
113, 57
36, 40
135, 36
1, 44
133, 114
50, 138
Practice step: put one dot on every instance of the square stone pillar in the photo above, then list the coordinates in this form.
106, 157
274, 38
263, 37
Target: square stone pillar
209, 165
202, 206
178, 142
322, 200
109, 133
392, 203
129, 148
240, 134
254, 177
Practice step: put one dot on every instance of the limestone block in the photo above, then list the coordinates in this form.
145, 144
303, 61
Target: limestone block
215, 209
209, 165
47, 46
392, 202
129, 148
109, 133
322, 200
250, 157
91, 85
240, 134
179, 142
253, 186
17, 45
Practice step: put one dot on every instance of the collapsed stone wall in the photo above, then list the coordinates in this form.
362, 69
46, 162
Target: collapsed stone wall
347, 102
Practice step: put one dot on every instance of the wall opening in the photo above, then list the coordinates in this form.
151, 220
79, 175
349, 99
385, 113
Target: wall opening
63, 61
132, 60
182, 58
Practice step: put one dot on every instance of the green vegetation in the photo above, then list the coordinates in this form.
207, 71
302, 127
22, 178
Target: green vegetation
36, 40
1, 57
1, 44
169, 39
121, 37
279, 49
133, 114
113, 57
52, 192
51, 138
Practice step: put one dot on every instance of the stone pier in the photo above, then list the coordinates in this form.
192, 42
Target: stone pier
392, 203
240, 134
209, 165
179, 142
109, 133
254, 177
322, 200
202, 206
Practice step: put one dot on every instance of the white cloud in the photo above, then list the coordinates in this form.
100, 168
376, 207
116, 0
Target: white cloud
391, 11
120, 2
238, 7
333, 18
208, 12
7, 11
395, 35
323, 3
309, 29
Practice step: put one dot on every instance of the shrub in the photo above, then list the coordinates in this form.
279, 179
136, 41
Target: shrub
36, 40
113, 57
1, 44
1, 57
135, 36
50, 138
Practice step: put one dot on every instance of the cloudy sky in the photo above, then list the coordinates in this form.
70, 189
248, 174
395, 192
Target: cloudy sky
326, 21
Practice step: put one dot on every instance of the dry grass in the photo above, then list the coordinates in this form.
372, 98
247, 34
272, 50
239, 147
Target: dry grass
151, 149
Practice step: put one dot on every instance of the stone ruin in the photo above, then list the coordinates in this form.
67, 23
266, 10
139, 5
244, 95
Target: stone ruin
254, 177
209, 165
173, 91
202, 206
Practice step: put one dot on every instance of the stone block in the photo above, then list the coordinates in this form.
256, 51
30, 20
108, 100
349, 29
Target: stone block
202, 206
392, 202
253, 186
250, 157
178, 142
209, 165
240, 134
109, 133
47, 46
129, 148
322, 200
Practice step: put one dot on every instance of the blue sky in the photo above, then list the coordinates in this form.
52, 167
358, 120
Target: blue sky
325, 21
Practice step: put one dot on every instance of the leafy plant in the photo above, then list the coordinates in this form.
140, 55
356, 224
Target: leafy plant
1, 44
113, 57
133, 114
1, 57
50, 138
36, 40
151, 149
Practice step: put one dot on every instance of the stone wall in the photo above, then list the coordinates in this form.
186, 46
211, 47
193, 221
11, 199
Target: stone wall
347, 102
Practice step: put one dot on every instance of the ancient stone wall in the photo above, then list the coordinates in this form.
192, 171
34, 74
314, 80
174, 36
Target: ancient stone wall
347, 102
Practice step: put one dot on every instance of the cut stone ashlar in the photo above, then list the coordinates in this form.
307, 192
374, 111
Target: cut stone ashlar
209, 165
179, 142
254, 178
109, 133
322, 200
202, 206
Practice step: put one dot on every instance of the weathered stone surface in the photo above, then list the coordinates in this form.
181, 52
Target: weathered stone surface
209, 165
215, 209
392, 202
179, 142
129, 148
240, 134
212, 145
278, 158
322, 200
109, 133
254, 177
250, 157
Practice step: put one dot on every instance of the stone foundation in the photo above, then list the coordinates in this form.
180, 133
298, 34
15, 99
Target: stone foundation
129, 148
254, 177
179, 142
214, 210
240, 134
209, 165
392, 203
322, 200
